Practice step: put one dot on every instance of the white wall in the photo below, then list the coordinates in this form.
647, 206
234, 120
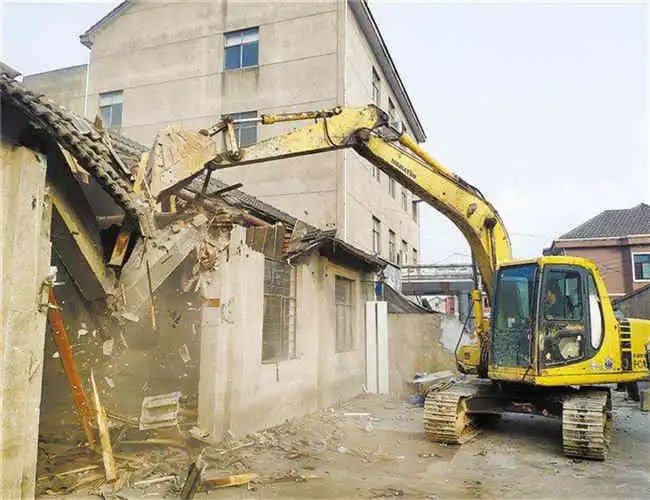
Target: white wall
238, 392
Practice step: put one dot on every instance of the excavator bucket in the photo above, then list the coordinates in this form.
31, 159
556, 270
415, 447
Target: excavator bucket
177, 156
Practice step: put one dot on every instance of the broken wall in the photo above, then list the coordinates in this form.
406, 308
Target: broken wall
129, 358
238, 392
415, 345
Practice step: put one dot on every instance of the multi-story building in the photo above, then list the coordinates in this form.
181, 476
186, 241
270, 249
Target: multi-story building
188, 63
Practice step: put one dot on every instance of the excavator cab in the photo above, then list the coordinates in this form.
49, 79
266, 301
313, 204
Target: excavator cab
554, 325
555, 303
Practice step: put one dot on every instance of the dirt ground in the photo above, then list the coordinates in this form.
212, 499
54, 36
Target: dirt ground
373, 447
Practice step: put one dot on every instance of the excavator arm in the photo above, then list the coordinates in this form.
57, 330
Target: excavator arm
368, 132
180, 156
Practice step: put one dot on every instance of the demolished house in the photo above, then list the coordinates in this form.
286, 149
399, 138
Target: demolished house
219, 312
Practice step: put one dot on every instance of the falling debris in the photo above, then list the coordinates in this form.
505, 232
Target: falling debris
130, 317
56, 355
109, 382
81, 332
184, 353
107, 347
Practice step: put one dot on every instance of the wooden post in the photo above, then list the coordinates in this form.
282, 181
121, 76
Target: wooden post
70, 367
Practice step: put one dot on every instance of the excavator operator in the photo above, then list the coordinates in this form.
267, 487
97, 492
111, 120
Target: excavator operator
552, 305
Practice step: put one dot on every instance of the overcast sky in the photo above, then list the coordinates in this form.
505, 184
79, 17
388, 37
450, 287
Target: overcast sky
543, 107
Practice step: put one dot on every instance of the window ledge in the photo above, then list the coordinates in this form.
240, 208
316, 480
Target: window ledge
242, 70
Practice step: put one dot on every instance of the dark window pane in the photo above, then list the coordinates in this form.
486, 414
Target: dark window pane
250, 54
233, 57
642, 266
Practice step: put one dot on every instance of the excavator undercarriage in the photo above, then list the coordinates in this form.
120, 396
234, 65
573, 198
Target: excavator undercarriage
456, 414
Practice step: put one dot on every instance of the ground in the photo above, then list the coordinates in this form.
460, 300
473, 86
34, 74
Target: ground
374, 447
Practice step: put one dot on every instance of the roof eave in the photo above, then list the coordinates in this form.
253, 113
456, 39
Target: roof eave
371, 31
85, 38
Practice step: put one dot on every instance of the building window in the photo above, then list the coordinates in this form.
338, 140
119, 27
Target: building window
246, 132
641, 266
344, 314
391, 246
376, 236
405, 202
392, 187
242, 48
376, 87
391, 111
376, 173
414, 260
404, 253
414, 210
110, 109
279, 326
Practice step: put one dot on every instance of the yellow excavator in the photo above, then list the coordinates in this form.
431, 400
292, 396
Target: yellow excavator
552, 344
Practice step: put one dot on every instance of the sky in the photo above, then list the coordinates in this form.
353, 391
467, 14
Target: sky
542, 106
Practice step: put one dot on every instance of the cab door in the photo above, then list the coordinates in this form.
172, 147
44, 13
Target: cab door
570, 316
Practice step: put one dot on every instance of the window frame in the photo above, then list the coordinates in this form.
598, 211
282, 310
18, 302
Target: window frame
392, 188
634, 277
231, 35
392, 246
405, 202
376, 235
414, 256
376, 87
391, 111
404, 252
346, 341
415, 210
288, 344
112, 94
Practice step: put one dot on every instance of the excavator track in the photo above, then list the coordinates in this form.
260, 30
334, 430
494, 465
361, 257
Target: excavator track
446, 417
586, 424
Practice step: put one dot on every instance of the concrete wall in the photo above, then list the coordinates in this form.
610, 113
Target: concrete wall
25, 214
66, 86
415, 345
238, 392
312, 56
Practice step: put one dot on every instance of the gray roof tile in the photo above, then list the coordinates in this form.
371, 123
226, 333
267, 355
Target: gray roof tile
613, 224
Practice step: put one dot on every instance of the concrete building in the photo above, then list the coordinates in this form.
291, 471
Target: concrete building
618, 241
153, 64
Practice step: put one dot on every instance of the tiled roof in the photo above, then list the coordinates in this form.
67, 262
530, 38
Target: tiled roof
94, 151
614, 224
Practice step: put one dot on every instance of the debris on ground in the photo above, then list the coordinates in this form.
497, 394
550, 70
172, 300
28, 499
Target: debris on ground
227, 481
160, 411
